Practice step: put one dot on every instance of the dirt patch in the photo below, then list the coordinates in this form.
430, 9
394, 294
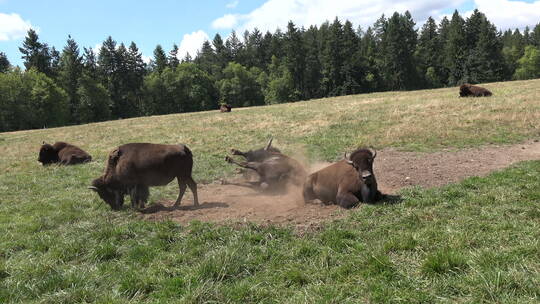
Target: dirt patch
394, 170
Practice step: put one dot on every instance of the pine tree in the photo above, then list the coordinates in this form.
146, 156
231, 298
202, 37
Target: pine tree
455, 51
535, 36
173, 57
485, 62
36, 54
206, 57
332, 59
4, 63
160, 59
398, 46
428, 54
353, 69
69, 72
233, 47
312, 75
295, 58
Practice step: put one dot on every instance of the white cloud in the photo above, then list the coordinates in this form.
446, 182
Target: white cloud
226, 22
192, 43
276, 13
510, 14
146, 59
12, 27
233, 4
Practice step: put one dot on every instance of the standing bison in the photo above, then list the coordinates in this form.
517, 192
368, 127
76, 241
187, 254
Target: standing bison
62, 153
466, 90
274, 169
346, 182
132, 168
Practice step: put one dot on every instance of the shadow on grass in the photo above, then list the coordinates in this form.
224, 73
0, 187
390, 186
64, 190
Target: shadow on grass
158, 207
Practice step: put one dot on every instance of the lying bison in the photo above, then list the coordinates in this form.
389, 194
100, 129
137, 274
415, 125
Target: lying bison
274, 169
257, 155
346, 182
62, 153
225, 108
466, 90
132, 168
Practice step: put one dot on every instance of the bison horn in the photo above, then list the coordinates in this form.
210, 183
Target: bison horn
93, 188
269, 144
347, 158
374, 153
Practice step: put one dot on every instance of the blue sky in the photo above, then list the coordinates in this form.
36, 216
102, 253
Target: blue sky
188, 23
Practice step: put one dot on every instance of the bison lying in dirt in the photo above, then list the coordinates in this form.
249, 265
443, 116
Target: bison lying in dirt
346, 182
274, 169
466, 90
62, 153
132, 168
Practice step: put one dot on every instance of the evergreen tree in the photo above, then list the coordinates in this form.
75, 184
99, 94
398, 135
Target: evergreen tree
428, 54
94, 102
295, 58
36, 54
69, 72
398, 46
455, 51
4, 63
173, 57
353, 69
485, 62
535, 36
233, 47
312, 75
206, 58
332, 59
160, 59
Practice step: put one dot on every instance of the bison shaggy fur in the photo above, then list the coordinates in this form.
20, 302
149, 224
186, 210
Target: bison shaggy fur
467, 90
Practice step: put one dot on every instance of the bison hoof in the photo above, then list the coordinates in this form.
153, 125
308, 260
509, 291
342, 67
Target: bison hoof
228, 159
234, 152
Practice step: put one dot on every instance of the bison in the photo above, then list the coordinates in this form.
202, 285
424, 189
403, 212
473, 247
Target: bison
257, 155
62, 153
346, 182
225, 108
466, 90
274, 169
132, 168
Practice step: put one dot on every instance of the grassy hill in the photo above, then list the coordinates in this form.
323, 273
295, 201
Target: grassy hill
475, 241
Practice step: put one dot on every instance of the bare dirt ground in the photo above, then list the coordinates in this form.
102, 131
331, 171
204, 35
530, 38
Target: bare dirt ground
394, 170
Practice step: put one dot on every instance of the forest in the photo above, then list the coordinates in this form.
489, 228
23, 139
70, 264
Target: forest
76, 85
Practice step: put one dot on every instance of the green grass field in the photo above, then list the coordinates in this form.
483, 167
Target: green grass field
476, 241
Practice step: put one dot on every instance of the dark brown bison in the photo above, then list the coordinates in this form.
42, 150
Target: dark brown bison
225, 108
346, 182
274, 169
466, 90
132, 168
257, 155
62, 153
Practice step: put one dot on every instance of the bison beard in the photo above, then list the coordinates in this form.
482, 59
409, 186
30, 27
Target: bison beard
466, 90
346, 182
132, 168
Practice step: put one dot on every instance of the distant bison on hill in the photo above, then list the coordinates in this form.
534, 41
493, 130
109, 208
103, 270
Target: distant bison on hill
346, 182
466, 90
225, 108
62, 153
132, 168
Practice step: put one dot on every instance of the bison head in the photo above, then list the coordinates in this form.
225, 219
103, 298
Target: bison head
362, 161
113, 197
48, 154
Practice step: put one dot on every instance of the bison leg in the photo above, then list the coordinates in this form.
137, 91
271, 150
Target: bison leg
367, 194
247, 165
183, 183
307, 192
346, 200
236, 152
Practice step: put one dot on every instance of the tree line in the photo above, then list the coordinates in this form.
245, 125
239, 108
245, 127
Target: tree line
75, 85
